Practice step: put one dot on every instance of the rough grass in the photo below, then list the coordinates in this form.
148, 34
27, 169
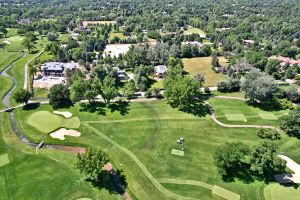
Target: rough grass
120, 35
41, 92
276, 191
47, 122
202, 65
15, 43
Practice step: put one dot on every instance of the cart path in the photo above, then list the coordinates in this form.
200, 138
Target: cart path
289, 178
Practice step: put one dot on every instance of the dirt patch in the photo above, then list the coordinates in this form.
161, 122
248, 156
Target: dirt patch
65, 114
69, 149
60, 134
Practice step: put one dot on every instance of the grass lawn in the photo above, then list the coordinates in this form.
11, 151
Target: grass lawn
40, 92
46, 57
223, 107
15, 43
63, 37
48, 175
47, 122
158, 84
202, 65
7, 58
276, 191
195, 30
231, 94
120, 35
6, 84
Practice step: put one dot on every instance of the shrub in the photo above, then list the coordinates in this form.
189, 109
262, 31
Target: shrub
284, 104
268, 134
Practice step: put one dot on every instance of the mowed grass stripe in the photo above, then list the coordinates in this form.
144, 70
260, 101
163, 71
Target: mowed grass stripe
185, 182
4, 160
226, 194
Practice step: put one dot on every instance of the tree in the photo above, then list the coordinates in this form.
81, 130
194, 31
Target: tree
91, 163
258, 87
109, 90
52, 36
291, 123
27, 44
180, 90
22, 96
78, 89
200, 78
264, 160
129, 89
231, 159
215, 60
272, 66
292, 93
59, 96
268, 133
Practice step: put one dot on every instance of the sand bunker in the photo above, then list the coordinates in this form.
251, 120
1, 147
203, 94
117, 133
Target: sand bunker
6, 42
65, 114
60, 134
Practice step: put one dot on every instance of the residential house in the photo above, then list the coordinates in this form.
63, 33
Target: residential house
57, 69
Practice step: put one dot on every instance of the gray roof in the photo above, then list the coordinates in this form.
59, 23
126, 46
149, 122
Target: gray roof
57, 66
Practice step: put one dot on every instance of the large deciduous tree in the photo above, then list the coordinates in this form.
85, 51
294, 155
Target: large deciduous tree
59, 96
258, 87
108, 89
291, 123
22, 96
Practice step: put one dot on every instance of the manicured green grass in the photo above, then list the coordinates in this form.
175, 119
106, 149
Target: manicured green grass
236, 117
63, 37
276, 191
225, 193
46, 57
4, 160
7, 58
48, 175
268, 116
195, 30
41, 92
231, 94
253, 114
47, 122
15, 43
158, 84
202, 65
6, 84
119, 35
139, 137
177, 152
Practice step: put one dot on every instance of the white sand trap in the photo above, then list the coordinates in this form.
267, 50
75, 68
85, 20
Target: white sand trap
288, 178
60, 134
65, 114
6, 42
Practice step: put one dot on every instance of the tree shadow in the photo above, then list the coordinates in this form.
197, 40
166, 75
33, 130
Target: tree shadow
119, 106
31, 106
115, 182
92, 107
196, 107
241, 173
264, 106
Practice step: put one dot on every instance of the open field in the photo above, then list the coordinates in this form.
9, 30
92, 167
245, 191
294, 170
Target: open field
191, 30
140, 136
119, 35
91, 23
202, 65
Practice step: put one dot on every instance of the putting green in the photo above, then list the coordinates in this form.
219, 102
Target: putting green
235, 117
4, 160
268, 116
46, 122
177, 152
